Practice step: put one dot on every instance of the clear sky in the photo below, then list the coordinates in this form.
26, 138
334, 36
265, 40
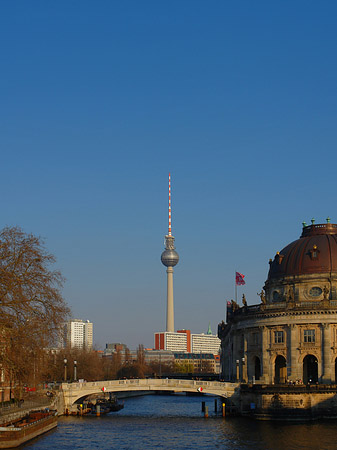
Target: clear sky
100, 100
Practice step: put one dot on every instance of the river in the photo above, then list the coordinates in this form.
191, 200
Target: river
176, 422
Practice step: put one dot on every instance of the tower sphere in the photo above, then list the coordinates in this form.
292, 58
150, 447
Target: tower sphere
169, 258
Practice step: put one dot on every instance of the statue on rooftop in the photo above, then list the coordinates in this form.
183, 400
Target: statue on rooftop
262, 296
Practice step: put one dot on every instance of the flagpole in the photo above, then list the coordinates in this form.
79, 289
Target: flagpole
239, 281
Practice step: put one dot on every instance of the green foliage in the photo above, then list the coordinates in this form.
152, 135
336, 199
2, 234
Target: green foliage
184, 367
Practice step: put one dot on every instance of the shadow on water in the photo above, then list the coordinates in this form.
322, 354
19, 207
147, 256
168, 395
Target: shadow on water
176, 422
241, 433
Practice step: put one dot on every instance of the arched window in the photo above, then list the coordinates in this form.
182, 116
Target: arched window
257, 368
310, 370
280, 370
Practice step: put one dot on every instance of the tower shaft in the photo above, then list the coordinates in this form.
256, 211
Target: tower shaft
170, 308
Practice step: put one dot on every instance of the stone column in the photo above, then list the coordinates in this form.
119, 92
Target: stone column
265, 354
326, 353
228, 359
294, 369
235, 354
245, 362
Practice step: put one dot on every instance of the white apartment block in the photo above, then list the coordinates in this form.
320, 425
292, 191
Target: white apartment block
88, 334
205, 343
185, 341
78, 334
175, 342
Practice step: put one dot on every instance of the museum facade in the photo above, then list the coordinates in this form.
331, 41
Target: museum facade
291, 335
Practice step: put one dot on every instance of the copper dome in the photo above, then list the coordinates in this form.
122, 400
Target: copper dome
314, 253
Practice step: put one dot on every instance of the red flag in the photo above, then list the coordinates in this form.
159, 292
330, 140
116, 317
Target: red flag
239, 279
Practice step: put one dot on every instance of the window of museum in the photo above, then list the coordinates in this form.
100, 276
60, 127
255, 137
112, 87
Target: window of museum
276, 296
278, 337
309, 336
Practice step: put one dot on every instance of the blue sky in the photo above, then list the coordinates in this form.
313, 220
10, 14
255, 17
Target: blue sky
99, 101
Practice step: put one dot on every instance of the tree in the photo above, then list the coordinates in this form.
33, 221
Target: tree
130, 371
159, 368
31, 305
111, 364
89, 365
183, 367
141, 355
127, 356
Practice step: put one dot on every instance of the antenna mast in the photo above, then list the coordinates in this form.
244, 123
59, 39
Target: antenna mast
170, 216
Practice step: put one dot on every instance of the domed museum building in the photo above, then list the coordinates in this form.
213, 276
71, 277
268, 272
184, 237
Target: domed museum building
290, 337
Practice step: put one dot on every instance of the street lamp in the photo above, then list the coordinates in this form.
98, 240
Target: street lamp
75, 370
65, 369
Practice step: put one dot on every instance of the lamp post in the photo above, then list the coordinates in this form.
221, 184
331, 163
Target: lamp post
75, 370
65, 369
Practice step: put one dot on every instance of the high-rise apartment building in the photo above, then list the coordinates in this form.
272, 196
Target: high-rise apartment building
176, 342
78, 334
205, 343
185, 341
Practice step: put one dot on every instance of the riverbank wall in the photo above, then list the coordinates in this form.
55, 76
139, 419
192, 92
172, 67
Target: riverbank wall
16, 411
283, 402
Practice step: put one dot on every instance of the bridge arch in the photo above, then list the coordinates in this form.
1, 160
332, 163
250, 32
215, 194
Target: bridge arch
72, 392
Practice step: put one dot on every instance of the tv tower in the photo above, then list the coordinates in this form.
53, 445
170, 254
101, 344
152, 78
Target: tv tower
169, 258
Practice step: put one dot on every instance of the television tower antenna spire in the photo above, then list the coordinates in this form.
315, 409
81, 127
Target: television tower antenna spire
170, 211
169, 258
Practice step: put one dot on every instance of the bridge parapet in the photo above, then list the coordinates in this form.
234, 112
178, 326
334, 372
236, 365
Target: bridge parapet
75, 391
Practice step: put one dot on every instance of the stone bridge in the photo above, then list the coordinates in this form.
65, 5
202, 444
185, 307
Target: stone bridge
77, 391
